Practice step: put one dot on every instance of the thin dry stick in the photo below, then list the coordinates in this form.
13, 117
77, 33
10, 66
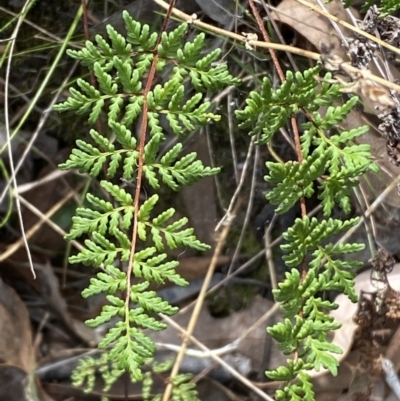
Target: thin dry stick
228, 214
216, 358
38, 129
46, 79
249, 209
261, 320
277, 46
267, 40
229, 107
86, 29
54, 175
278, 33
349, 26
46, 219
370, 209
199, 304
24, 96
362, 200
268, 253
33, 25
24, 11
229, 348
241, 38
334, 24
16, 245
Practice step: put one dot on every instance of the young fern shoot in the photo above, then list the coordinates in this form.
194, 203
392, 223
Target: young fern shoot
121, 66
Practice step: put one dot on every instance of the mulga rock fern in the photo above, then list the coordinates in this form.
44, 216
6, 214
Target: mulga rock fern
120, 66
122, 230
330, 167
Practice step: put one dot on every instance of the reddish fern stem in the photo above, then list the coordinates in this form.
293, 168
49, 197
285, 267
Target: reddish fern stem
293, 121
142, 140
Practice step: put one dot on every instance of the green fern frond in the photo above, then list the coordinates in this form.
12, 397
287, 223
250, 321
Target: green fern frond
120, 65
301, 391
85, 373
306, 234
294, 180
183, 389
171, 42
100, 251
111, 281
139, 35
190, 54
151, 265
388, 7
330, 157
269, 110
385, 8
174, 172
292, 370
307, 332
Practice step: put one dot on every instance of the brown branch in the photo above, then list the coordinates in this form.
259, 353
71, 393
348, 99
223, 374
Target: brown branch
85, 20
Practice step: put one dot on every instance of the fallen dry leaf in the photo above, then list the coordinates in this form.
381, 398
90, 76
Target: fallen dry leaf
344, 314
313, 26
47, 285
17, 359
16, 336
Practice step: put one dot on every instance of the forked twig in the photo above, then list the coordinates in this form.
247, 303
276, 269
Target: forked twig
218, 359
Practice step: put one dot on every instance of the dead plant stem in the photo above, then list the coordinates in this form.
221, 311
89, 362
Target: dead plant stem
28, 4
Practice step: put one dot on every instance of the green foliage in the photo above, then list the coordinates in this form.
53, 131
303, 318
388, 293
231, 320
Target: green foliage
388, 7
268, 110
120, 66
183, 389
385, 7
330, 158
331, 165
